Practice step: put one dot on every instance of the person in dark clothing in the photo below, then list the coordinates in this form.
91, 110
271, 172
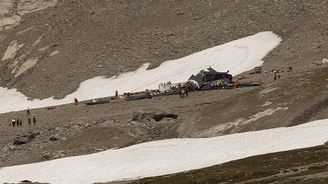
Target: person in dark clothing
34, 120
20, 122
13, 121
76, 101
28, 113
274, 74
116, 94
29, 121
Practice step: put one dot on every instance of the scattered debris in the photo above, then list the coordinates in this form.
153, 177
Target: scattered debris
324, 61
209, 79
98, 101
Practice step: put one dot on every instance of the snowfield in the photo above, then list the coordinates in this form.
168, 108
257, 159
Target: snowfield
167, 156
237, 56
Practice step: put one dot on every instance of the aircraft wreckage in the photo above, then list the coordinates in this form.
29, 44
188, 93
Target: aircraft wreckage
209, 79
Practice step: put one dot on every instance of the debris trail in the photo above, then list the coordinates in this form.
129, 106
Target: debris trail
236, 56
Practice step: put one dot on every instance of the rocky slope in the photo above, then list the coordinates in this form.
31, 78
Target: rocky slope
56, 45
12, 10
55, 49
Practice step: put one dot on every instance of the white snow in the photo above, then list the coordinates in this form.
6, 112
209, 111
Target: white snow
167, 156
237, 56
12, 50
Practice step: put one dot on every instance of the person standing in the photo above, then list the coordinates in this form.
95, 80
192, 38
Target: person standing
116, 94
28, 112
76, 101
34, 120
274, 74
29, 121
13, 121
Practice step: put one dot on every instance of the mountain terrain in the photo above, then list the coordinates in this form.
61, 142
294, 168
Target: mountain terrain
48, 47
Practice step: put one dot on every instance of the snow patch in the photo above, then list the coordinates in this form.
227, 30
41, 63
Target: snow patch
28, 6
54, 53
26, 66
237, 56
12, 49
167, 156
9, 15
9, 22
38, 40
43, 48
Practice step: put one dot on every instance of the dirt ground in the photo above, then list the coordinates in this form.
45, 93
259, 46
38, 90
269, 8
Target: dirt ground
73, 130
78, 40
84, 129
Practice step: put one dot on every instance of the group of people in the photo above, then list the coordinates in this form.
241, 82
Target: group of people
19, 122
276, 73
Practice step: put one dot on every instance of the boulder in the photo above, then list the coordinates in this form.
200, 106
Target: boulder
21, 140
54, 138
24, 139
153, 114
